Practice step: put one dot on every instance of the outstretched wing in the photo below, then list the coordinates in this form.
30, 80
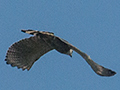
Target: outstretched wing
26, 51
98, 69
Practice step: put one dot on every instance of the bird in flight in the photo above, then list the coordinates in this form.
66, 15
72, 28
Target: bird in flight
25, 52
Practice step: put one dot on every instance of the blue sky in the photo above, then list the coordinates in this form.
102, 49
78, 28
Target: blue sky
93, 26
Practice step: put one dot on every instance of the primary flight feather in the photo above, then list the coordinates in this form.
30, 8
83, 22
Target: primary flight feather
25, 52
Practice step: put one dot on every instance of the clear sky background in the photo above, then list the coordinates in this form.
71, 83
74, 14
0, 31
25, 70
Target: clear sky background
91, 25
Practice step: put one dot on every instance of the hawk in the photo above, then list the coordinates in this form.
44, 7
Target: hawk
25, 52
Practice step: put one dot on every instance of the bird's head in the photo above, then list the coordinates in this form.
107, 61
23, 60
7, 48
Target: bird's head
70, 52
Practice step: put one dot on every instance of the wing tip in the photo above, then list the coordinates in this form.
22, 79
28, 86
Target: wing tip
30, 31
23, 30
106, 72
111, 73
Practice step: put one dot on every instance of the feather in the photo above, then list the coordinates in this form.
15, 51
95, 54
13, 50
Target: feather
25, 52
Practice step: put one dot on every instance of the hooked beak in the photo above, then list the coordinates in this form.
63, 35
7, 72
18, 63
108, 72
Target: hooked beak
70, 55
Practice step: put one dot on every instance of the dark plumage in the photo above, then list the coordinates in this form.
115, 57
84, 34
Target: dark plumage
25, 52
